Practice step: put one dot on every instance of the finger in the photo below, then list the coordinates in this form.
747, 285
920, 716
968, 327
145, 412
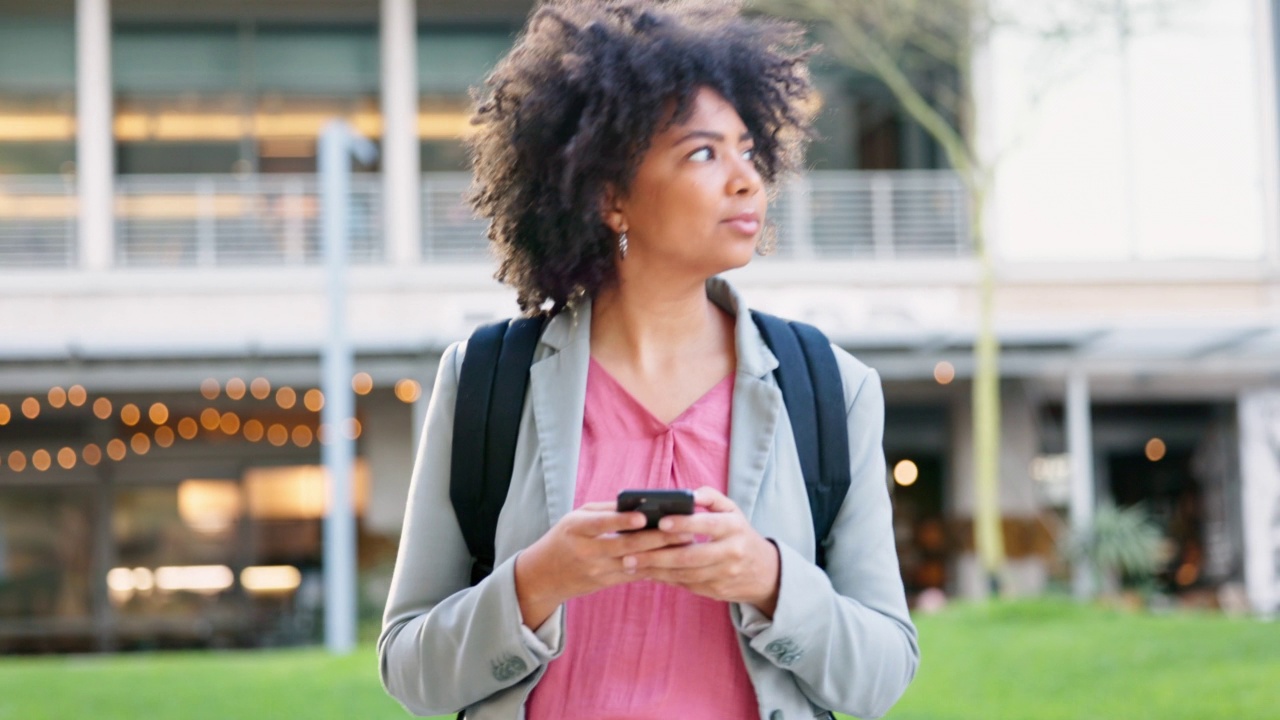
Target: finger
713, 500
700, 581
598, 506
711, 525
593, 523
642, 541
679, 557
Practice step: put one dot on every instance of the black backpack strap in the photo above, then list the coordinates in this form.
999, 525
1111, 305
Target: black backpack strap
491, 389
813, 392
833, 432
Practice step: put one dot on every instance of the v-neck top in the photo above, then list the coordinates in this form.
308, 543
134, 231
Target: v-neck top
643, 649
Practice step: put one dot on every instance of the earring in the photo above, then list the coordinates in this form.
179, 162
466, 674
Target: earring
622, 244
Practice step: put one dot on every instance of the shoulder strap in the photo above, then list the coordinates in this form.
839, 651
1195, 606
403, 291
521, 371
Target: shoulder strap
486, 426
813, 392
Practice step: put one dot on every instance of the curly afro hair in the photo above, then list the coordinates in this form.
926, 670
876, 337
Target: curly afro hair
570, 111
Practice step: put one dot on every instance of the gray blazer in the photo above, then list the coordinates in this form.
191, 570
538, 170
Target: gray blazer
839, 640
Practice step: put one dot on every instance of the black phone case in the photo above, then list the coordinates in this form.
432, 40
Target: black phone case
655, 504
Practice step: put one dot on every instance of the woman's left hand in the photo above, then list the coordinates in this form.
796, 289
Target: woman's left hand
734, 564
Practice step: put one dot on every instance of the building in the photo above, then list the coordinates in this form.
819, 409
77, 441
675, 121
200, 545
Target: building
162, 308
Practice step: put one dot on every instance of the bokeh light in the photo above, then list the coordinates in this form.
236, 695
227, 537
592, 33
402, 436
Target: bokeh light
408, 391
130, 414
313, 400
905, 473
159, 413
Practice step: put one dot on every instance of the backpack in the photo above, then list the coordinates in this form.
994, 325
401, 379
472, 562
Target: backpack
486, 423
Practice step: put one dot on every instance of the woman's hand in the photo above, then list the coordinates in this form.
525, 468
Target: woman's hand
735, 564
586, 551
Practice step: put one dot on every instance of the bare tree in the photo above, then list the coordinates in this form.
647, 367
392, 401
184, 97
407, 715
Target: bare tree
924, 52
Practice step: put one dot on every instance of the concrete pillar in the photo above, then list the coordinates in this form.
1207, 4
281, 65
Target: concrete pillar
401, 170
95, 141
1080, 451
1259, 418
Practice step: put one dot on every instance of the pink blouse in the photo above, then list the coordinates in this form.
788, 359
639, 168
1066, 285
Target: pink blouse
644, 649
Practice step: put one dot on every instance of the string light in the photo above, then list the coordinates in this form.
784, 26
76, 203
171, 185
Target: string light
362, 383
187, 428
253, 430
944, 372
408, 391
230, 423
277, 434
164, 436
313, 400
286, 398
158, 413
302, 436
130, 414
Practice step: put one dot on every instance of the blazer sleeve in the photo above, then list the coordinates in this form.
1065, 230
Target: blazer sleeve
845, 634
445, 645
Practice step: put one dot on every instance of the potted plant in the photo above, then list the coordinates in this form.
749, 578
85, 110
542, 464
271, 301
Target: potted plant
1124, 547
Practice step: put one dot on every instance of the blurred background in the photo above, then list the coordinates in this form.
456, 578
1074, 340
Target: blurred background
162, 306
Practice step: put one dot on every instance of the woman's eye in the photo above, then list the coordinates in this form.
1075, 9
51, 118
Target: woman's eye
702, 154
749, 154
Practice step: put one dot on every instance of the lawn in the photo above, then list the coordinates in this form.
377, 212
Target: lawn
1018, 661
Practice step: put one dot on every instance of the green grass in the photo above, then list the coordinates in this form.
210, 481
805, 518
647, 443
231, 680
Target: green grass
1041, 660
1053, 660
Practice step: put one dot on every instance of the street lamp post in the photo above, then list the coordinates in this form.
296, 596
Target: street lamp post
338, 143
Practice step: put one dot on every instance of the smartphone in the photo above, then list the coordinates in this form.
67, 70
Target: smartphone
655, 504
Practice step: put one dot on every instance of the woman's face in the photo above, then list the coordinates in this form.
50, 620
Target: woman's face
697, 203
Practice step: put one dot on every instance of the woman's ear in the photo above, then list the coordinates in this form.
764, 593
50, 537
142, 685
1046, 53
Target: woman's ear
612, 211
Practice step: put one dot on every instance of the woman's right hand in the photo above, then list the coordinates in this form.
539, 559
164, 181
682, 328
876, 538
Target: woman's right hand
586, 551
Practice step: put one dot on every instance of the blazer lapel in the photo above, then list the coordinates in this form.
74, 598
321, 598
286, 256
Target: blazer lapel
757, 402
558, 391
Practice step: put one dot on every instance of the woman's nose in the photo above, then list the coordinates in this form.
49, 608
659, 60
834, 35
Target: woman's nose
745, 178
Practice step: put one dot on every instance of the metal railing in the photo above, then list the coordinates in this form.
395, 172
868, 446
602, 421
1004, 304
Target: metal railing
211, 221
273, 220
37, 221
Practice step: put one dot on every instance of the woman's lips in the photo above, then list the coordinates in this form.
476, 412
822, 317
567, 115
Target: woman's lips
747, 223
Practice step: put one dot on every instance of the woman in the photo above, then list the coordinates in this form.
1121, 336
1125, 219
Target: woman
623, 156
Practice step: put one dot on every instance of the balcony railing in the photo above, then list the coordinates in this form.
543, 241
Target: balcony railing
273, 220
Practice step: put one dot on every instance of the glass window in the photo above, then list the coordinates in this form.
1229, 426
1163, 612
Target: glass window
45, 554
37, 95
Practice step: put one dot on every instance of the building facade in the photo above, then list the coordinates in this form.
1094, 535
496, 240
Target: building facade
163, 308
